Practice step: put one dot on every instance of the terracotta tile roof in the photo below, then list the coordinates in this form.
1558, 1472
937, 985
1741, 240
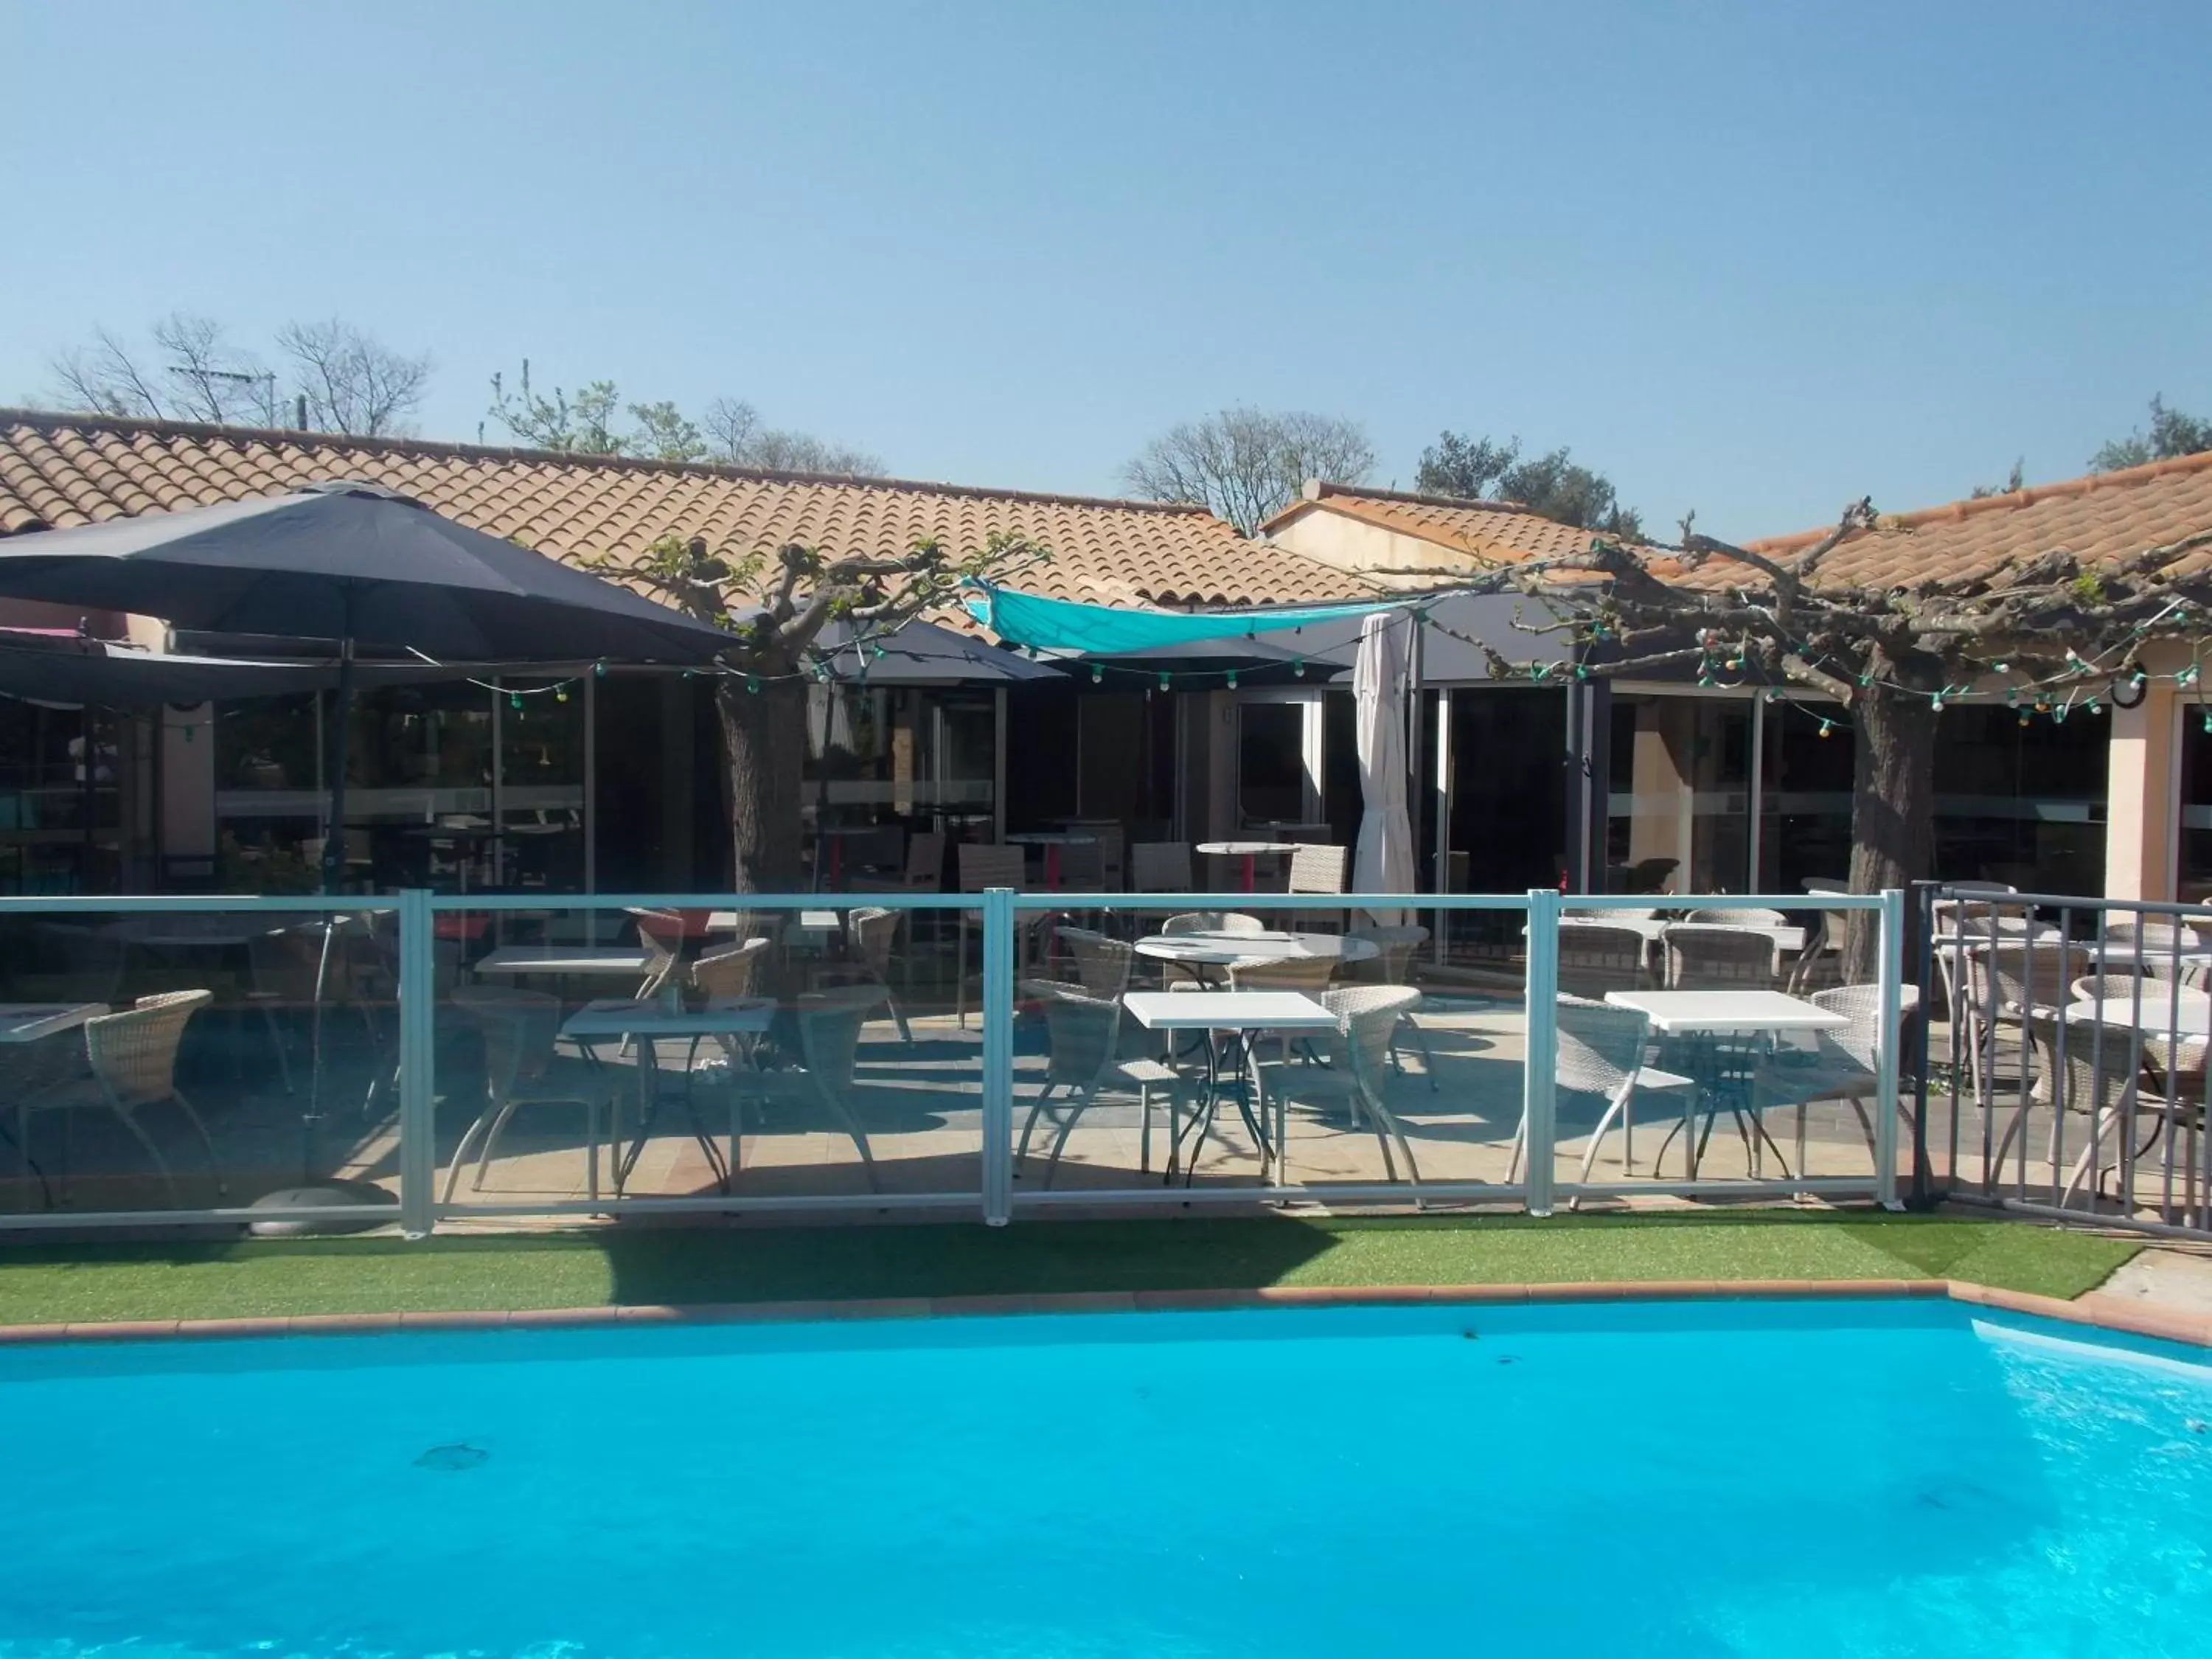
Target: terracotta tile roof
1488, 533
58, 470
2105, 516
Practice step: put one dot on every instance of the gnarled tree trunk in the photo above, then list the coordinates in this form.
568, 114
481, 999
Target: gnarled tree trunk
764, 757
1892, 802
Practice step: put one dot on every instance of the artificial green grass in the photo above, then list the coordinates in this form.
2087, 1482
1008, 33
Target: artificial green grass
81, 1283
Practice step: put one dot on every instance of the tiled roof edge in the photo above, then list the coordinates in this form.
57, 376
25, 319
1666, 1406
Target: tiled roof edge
2065, 489
1322, 490
47, 420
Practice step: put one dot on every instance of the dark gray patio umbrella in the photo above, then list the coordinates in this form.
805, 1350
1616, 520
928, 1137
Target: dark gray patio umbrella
923, 654
357, 564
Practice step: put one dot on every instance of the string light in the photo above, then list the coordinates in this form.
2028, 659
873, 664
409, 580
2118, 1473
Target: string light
1826, 726
1164, 679
1298, 669
1232, 679
1097, 675
752, 683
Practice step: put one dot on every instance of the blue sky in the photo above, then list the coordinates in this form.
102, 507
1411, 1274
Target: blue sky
1755, 260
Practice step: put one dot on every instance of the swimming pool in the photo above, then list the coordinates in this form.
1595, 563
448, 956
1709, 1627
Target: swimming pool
1688, 1479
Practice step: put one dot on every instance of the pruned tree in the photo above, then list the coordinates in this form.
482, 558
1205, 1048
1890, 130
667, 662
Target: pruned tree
729, 432
2172, 434
1247, 464
579, 426
2053, 629
1552, 484
776, 609
337, 378
352, 382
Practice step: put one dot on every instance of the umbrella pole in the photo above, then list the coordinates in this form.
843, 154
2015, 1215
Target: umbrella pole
334, 864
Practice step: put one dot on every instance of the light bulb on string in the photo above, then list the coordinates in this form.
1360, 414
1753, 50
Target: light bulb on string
1232, 679
1164, 679
1097, 675
752, 683
1827, 728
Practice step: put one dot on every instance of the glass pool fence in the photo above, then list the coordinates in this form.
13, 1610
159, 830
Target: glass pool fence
311, 1064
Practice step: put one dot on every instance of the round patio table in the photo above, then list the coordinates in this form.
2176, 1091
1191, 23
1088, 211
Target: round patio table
1246, 850
1219, 949
1052, 841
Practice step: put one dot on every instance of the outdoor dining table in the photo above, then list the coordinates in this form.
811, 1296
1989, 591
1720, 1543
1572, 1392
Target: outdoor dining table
1052, 841
1210, 947
643, 1023
1704, 1016
622, 961
1248, 851
2161, 1015
27, 1022
1239, 1014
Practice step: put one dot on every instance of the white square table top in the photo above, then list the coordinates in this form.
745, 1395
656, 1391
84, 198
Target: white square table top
27, 1022
1677, 1012
2159, 1012
625, 959
617, 1016
1228, 1011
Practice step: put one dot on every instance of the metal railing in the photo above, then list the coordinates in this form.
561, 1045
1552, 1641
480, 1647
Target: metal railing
2065, 1070
352, 1061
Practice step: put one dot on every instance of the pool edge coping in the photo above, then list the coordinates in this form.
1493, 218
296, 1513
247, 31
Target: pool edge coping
2096, 1309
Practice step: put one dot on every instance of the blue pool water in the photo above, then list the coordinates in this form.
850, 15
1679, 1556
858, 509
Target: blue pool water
1853, 1479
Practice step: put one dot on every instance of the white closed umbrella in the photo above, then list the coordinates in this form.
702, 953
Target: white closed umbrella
1383, 860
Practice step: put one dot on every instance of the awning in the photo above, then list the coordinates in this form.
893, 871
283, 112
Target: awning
1099, 630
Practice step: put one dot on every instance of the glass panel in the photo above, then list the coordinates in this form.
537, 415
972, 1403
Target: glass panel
2196, 872
2021, 804
1682, 823
1426, 1084
58, 804
541, 789
1272, 789
1641, 1103
831, 1053
1805, 797
192, 1060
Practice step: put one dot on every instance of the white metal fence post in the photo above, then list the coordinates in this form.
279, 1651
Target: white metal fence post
1891, 1039
997, 923
418, 998
1539, 1069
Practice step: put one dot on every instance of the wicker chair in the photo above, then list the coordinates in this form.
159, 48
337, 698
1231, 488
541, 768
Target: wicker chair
2116, 983
2157, 945
1393, 964
1160, 866
829, 1023
132, 1057
523, 1066
1600, 1055
870, 932
1102, 964
924, 871
1842, 1064
2094, 1070
2004, 983
983, 866
1355, 1070
723, 979
1595, 959
1701, 958
1317, 868
1084, 1035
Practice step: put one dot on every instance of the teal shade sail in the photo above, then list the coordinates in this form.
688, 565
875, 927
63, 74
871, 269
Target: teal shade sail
1066, 625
